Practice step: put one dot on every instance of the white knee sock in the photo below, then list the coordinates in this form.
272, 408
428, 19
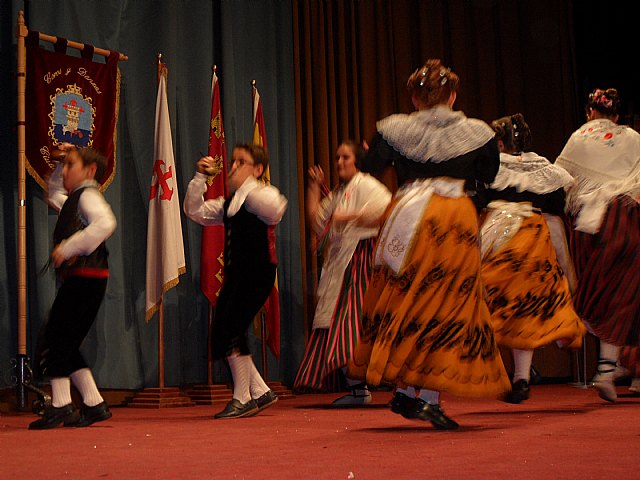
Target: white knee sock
86, 385
257, 386
240, 366
430, 396
608, 352
522, 364
408, 391
60, 391
352, 382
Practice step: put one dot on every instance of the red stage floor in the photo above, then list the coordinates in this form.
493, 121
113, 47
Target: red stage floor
561, 432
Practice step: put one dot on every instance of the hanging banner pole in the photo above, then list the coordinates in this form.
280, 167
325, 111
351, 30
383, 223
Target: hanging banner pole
23, 374
22, 33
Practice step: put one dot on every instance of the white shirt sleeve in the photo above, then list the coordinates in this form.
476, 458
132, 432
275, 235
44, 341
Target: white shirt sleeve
204, 212
323, 215
267, 203
100, 223
56, 193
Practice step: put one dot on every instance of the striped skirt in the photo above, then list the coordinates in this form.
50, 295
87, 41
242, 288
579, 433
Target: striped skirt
528, 293
429, 327
328, 350
630, 359
608, 269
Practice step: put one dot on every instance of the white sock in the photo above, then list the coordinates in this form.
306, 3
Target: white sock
408, 391
86, 385
608, 352
522, 364
430, 396
257, 386
60, 391
352, 382
240, 366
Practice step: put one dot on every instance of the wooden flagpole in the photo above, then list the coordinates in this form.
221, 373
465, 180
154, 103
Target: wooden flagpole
23, 370
263, 316
159, 66
162, 396
210, 393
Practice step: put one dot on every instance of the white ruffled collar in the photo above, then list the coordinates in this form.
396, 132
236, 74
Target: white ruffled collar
240, 195
434, 135
530, 172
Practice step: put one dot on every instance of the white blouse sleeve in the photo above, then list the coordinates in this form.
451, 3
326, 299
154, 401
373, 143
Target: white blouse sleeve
204, 212
100, 222
267, 203
56, 193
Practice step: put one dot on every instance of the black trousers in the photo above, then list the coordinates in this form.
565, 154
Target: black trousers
243, 294
73, 312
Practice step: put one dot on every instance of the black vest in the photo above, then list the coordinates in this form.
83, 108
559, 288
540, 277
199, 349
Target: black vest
69, 222
247, 241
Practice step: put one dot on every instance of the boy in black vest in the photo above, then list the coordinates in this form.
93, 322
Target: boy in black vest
249, 219
80, 257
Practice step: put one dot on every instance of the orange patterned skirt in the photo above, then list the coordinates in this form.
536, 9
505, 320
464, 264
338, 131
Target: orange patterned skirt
528, 293
429, 327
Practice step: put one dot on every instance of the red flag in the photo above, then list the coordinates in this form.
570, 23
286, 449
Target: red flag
165, 248
212, 246
272, 306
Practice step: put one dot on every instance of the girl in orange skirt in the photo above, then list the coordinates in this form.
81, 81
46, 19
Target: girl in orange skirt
425, 324
527, 289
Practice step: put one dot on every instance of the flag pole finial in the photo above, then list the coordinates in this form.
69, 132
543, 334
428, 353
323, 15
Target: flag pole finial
253, 83
215, 68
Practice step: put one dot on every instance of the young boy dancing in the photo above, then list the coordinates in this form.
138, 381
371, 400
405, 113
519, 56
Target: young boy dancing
249, 218
85, 221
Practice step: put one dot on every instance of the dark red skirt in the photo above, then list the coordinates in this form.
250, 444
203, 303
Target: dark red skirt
608, 268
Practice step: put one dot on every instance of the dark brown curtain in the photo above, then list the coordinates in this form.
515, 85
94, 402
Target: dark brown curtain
353, 57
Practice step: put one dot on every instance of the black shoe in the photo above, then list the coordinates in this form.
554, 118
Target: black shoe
434, 414
403, 405
56, 416
266, 400
91, 415
519, 392
237, 409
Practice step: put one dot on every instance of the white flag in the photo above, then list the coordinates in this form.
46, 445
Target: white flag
165, 249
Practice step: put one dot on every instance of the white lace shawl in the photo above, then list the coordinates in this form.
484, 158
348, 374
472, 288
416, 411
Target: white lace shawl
604, 159
434, 135
530, 172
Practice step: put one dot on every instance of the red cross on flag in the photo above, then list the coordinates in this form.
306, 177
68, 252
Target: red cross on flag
165, 248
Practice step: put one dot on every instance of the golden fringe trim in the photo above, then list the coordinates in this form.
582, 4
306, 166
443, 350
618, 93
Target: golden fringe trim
167, 286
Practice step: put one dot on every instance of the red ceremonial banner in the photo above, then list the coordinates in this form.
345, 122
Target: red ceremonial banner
69, 99
212, 247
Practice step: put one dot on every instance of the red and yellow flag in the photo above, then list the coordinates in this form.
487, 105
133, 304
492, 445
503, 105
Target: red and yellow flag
212, 246
272, 306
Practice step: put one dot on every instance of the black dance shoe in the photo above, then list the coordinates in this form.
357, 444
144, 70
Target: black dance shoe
403, 405
91, 415
56, 416
519, 392
237, 409
434, 414
266, 400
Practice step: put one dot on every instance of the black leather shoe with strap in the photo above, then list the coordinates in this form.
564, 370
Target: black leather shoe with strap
266, 400
519, 392
403, 404
434, 414
55, 416
91, 415
236, 409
